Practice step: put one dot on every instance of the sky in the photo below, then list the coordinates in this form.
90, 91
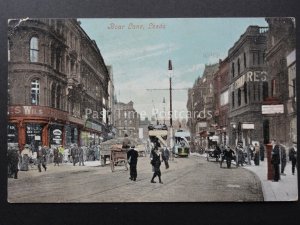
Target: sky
139, 57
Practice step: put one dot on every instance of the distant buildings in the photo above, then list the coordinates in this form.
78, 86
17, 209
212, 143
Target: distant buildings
259, 72
58, 84
126, 120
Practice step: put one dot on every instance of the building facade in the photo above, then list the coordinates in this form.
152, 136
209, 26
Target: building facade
126, 120
221, 100
58, 84
247, 86
280, 59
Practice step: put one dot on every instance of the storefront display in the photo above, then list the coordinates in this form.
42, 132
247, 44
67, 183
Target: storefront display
12, 133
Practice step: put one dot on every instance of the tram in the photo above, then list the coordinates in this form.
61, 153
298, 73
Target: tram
182, 143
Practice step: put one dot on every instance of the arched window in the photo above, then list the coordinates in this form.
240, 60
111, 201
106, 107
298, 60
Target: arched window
232, 69
245, 62
239, 66
34, 49
265, 90
232, 99
53, 95
35, 92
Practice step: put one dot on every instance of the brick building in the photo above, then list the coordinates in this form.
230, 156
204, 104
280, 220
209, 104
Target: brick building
126, 120
221, 100
280, 59
247, 86
56, 77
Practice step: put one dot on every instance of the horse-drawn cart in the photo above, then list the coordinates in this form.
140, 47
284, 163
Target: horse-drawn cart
118, 156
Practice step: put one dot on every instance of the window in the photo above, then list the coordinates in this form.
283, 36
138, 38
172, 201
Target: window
245, 62
35, 92
294, 88
258, 57
232, 69
58, 96
264, 57
245, 93
239, 67
232, 99
253, 59
34, 49
265, 90
258, 91
239, 97
53, 95
254, 91
273, 87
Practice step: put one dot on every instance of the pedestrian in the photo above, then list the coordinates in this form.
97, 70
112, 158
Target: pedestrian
166, 156
156, 162
262, 151
256, 154
275, 161
13, 162
248, 150
282, 158
126, 142
56, 156
80, 156
26, 154
61, 152
132, 158
293, 158
240, 154
41, 158
74, 154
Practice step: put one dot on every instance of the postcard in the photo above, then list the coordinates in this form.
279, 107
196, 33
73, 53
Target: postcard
152, 110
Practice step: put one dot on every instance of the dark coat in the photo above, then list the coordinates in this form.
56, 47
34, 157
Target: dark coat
275, 155
133, 155
155, 159
229, 154
165, 154
74, 151
292, 154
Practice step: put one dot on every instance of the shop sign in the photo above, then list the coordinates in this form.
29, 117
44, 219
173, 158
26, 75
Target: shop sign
12, 133
56, 135
202, 124
39, 111
93, 126
272, 109
248, 126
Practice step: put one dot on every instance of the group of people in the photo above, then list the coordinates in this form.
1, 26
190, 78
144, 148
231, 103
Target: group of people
279, 159
248, 153
156, 157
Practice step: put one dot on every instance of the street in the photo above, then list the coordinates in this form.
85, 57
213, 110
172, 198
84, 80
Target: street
190, 179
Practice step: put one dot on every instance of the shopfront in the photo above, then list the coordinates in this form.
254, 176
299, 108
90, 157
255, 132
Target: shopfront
12, 133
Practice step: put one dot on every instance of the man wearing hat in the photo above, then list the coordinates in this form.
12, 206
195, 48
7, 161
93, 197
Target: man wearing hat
41, 158
132, 157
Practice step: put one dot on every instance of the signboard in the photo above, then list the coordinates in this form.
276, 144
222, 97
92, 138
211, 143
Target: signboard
272, 109
202, 124
12, 133
56, 134
248, 126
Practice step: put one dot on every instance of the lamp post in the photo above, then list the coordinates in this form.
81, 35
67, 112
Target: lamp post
170, 73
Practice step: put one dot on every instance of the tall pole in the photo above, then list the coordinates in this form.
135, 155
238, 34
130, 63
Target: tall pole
171, 124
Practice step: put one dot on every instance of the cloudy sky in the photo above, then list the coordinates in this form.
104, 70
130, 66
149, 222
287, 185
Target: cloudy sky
139, 57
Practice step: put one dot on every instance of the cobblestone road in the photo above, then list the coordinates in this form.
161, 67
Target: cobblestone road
190, 179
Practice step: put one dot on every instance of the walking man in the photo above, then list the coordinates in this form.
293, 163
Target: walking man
156, 162
275, 160
293, 158
256, 154
166, 156
262, 151
13, 161
282, 158
74, 154
132, 157
56, 156
41, 158
80, 155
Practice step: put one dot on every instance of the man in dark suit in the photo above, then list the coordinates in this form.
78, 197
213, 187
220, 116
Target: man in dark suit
132, 157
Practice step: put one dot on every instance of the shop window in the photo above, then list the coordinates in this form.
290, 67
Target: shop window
12, 133
34, 135
34, 49
35, 92
239, 97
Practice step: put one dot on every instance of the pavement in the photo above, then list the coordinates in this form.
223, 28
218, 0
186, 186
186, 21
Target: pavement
286, 189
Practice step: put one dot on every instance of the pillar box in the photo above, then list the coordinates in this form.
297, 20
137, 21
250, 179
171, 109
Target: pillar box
270, 166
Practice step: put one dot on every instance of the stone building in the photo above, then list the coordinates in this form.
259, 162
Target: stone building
126, 120
58, 84
280, 59
247, 86
221, 100
200, 106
